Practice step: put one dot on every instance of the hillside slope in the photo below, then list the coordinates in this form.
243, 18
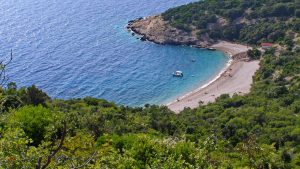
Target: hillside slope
203, 22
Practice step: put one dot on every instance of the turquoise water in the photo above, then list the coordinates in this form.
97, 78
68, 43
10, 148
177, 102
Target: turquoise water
81, 48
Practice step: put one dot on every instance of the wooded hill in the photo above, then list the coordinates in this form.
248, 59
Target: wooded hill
246, 21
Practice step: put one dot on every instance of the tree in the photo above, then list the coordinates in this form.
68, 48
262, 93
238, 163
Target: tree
254, 54
3, 65
34, 96
33, 120
14, 149
77, 151
53, 152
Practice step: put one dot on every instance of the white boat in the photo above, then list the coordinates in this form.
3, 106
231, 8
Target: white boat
178, 74
213, 49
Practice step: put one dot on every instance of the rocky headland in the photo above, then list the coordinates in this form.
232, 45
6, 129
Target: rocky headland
155, 29
159, 31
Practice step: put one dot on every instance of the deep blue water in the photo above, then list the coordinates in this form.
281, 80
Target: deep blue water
80, 48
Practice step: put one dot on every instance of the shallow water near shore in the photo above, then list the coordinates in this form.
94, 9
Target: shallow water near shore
73, 49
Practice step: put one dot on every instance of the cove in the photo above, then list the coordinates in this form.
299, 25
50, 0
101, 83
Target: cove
74, 49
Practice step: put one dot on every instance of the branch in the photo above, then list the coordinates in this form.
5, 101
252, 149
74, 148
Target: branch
49, 158
3, 77
88, 161
38, 166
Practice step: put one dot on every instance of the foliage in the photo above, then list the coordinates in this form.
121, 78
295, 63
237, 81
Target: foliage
259, 130
246, 21
13, 148
33, 120
33, 95
254, 53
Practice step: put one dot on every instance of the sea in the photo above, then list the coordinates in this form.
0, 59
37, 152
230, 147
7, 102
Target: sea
76, 49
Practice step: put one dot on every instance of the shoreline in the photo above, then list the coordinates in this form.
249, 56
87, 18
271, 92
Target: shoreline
215, 78
235, 78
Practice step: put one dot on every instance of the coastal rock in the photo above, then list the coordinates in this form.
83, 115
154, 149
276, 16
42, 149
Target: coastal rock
143, 38
156, 30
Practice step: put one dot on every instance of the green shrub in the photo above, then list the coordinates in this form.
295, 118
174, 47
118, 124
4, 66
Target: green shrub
33, 120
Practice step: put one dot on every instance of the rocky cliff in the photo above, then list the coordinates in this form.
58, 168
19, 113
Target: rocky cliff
156, 30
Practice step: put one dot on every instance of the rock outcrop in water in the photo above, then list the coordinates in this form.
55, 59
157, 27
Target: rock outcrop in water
156, 30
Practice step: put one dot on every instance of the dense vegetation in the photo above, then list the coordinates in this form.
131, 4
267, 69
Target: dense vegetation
259, 130
248, 21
